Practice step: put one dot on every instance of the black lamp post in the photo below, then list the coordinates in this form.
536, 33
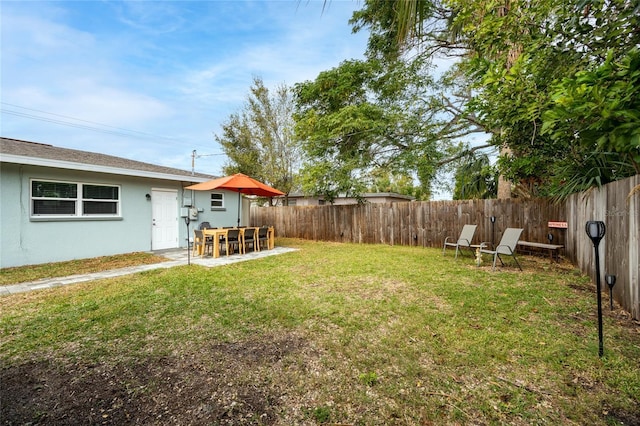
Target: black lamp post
187, 221
611, 281
596, 230
493, 228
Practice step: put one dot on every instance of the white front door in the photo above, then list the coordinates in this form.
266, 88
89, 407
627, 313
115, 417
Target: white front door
164, 209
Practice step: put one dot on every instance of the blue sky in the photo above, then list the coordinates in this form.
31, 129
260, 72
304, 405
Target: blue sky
154, 80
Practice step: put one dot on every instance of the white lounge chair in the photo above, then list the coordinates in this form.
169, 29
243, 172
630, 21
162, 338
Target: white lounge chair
507, 246
464, 240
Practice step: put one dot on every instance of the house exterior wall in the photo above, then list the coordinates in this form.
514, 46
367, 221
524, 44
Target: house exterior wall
27, 241
226, 216
306, 201
369, 199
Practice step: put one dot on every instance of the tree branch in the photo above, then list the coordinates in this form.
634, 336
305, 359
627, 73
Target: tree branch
462, 154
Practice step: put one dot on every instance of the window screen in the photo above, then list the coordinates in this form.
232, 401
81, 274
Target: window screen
50, 198
217, 200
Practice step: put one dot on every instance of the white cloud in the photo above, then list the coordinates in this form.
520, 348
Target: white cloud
38, 36
151, 17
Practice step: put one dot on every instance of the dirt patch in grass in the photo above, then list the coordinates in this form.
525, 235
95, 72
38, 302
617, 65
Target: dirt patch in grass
221, 383
531, 264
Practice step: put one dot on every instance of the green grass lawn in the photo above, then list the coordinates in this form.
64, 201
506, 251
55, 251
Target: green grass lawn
22, 274
332, 333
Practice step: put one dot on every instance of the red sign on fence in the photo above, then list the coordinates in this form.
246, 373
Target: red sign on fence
562, 225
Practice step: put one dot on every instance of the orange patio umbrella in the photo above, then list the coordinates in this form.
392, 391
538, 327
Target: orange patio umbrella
240, 183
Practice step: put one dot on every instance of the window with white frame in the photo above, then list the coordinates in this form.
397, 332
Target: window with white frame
74, 199
217, 200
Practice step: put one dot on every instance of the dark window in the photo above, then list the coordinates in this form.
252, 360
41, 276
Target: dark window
99, 192
217, 200
49, 198
90, 207
54, 189
108, 196
54, 207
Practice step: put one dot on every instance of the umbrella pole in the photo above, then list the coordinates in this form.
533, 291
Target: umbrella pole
239, 197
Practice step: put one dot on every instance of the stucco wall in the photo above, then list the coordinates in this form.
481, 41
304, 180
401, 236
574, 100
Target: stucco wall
228, 216
24, 241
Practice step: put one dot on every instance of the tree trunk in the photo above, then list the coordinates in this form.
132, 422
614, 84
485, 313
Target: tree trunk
504, 188
504, 185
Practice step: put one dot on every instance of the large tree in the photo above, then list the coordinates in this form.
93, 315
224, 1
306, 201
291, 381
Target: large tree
386, 115
383, 115
259, 140
357, 123
568, 67
600, 110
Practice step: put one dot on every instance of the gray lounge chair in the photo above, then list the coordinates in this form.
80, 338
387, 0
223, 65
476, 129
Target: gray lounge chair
464, 240
507, 246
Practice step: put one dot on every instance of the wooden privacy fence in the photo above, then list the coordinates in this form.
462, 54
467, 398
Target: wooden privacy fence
425, 223
428, 223
618, 205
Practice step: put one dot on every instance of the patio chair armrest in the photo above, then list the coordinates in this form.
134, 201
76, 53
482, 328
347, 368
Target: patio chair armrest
504, 245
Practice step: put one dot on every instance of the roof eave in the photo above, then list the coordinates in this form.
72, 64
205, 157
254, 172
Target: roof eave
45, 162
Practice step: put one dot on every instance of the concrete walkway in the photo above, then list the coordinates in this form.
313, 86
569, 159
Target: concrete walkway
177, 257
